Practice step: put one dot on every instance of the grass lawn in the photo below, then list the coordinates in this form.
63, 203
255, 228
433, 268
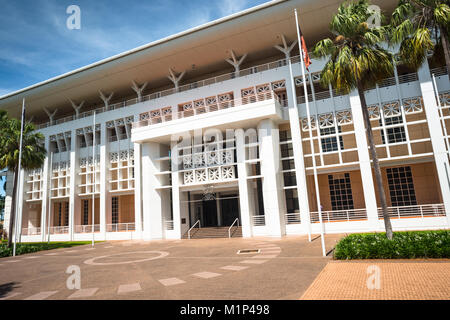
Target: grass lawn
29, 247
404, 245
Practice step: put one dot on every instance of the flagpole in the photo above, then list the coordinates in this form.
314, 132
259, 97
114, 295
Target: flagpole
93, 182
16, 224
308, 114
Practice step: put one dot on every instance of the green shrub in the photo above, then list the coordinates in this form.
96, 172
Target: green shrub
22, 248
404, 245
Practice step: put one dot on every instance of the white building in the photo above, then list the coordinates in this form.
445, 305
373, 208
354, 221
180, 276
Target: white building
208, 128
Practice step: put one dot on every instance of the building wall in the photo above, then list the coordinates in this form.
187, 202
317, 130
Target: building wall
126, 208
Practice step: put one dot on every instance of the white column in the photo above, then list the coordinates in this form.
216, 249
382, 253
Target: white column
218, 211
20, 203
180, 204
437, 139
364, 159
246, 206
45, 191
138, 190
105, 197
272, 183
152, 206
297, 148
74, 201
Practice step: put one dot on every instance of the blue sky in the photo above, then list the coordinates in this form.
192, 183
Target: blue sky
36, 44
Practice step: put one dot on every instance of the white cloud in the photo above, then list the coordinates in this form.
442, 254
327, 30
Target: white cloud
228, 7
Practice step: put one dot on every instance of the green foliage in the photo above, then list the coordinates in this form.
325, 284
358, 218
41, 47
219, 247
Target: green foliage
355, 56
404, 245
33, 151
23, 248
415, 24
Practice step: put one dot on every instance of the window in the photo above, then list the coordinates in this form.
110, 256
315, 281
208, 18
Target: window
396, 134
401, 186
115, 209
330, 143
291, 201
340, 191
286, 150
66, 213
59, 213
85, 212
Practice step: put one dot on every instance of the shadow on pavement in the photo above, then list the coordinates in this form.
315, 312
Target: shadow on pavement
7, 288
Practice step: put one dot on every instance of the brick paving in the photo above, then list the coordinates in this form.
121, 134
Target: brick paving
402, 280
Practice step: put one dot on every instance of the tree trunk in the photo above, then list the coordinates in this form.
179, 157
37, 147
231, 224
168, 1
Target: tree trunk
376, 165
445, 47
12, 215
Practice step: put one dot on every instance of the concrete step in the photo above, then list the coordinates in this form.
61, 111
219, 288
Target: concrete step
213, 232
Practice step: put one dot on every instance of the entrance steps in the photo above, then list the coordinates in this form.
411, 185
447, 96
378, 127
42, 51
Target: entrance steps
214, 232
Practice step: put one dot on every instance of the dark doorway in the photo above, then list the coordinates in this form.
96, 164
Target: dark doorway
230, 209
209, 213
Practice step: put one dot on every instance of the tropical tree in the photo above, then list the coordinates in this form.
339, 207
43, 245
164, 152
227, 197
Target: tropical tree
33, 154
420, 26
356, 60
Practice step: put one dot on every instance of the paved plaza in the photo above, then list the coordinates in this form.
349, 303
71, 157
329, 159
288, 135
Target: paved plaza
179, 269
382, 280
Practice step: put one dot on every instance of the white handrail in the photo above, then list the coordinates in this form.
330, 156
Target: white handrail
189, 231
229, 229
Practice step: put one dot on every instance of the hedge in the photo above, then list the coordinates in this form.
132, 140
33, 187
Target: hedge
404, 245
22, 248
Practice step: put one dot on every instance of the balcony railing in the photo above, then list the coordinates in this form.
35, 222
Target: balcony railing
168, 225
31, 231
418, 211
119, 227
293, 218
259, 220
339, 215
87, 228
59, 230
186, 87
206, 109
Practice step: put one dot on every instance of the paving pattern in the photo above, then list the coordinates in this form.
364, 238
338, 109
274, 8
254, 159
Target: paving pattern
186, 269
382, 280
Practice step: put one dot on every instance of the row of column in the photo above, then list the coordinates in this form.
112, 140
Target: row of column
437, 139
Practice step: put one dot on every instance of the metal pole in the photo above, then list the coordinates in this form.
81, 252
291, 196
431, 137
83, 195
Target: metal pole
93, 181
294, 97
16, 224
308, 114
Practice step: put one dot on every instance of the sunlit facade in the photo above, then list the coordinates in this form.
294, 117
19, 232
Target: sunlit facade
208, 130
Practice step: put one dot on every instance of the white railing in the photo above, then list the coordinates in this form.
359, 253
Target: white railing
259, 220
339, 215
441, 71
194, 85
31, 231
87, 228
119, 227
236, 221
422, 211
189, 231
293, 218
206, 109
59, 230
168, 224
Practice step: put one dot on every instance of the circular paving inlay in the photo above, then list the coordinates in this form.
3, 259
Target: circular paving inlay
120, 258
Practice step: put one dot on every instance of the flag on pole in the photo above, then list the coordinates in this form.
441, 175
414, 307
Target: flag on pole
306, 58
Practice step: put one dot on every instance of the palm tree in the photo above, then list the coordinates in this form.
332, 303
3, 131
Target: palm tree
415, 24
33, 154
356, 60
